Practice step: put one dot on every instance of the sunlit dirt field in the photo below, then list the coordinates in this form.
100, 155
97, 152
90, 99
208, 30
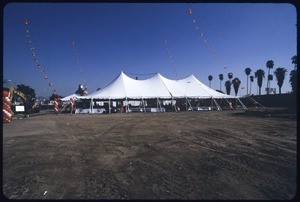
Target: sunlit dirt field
185, 155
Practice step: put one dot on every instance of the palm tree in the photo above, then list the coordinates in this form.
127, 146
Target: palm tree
230, 75
294, 61
247, 71
269, 65
259, 74
251, 81
228, 87
280, 73
210, 77
270, 77
293, 80
236, 82
221, 79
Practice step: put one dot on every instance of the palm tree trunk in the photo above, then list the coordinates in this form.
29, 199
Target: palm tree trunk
268, 81
279, 90
259, 90
220, 85
250, 86
247, 84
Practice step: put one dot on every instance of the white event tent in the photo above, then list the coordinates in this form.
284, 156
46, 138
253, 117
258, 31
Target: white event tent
124, 87
156, 87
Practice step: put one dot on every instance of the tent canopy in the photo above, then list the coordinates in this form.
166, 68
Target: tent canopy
123, 87
75, 96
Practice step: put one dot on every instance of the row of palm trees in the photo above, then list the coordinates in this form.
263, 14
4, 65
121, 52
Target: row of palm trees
279, 72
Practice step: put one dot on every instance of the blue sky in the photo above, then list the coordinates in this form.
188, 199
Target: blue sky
128, 37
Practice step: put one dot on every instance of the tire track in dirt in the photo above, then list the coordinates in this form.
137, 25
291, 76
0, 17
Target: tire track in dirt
247, 157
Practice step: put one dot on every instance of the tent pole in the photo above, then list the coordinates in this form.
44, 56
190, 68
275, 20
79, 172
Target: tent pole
92, 105
189, 104
218, 106
109, 106
126, 106
174, 105
185, 104
159, 104
244, 107
63, 109
255, 102
144, 105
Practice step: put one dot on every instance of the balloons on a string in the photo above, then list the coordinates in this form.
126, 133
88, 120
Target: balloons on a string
170, 56
73, 42
31, 48
201, 34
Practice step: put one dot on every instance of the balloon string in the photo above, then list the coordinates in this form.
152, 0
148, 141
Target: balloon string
204, 39
78, 62
34, 56
170, 57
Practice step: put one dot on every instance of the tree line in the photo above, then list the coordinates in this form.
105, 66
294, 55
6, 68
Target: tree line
280, 74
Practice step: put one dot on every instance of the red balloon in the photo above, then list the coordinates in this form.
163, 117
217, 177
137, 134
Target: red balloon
189, 11
25, 21
164, 41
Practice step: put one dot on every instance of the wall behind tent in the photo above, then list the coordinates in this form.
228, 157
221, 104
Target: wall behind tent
273, 100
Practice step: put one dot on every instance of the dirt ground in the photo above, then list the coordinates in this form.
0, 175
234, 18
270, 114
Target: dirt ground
187, 155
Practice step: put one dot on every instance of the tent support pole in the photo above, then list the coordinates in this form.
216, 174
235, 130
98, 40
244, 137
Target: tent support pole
244, 107
109, 106
189, 103
63, 109
143, 102
255, 102
174, 105
91, 105
230, 105
159, 104
218, 106
186, 104
126, 106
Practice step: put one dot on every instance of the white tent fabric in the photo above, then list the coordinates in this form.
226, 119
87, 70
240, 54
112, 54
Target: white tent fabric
124, 87
75, 96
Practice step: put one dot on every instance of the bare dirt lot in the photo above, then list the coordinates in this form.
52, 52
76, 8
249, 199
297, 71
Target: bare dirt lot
186, 155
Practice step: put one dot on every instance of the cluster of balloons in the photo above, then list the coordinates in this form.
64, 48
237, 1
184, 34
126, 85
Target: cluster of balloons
35, 58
